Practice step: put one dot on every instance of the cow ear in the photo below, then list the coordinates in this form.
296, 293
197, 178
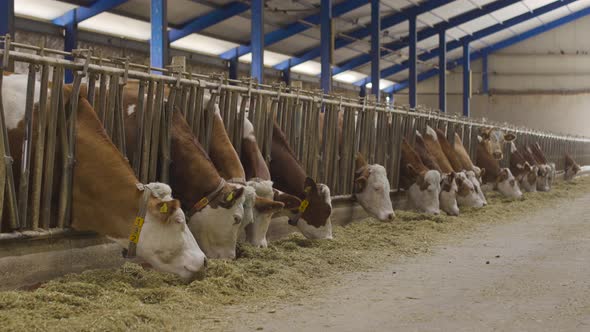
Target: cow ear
290, 201
231, 197
310, 186
527, 166
360, 161
479, 138
520, 166
509, 137
265, 205
412, 170
165, 210
484, 133
482, 172
360, 184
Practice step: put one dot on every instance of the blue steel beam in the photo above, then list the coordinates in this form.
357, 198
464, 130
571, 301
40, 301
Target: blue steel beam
386, 22
413, 68
159, 40
478, 35
257, 38
485, 83
466, 63
84, 13
498, 46
70, 41
7, 18
442, 74
428, 32
294, 28
375, 48
326, 37
211, 18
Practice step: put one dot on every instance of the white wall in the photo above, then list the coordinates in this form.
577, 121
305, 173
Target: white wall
542, 83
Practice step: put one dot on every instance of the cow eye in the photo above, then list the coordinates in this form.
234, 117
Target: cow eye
237, 220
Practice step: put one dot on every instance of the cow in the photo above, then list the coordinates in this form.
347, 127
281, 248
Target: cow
543, 171
500, 179
371, 186
544, 163
571, 168
423, 185
525, 174
312, 217
106, 194
215, 207
495, 139
473, 172
371, 189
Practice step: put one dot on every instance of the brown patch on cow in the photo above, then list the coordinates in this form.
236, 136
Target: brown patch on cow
485, 160
447, 184
426, 157
361, 174
462, 154
264, 205
449, 151
318, 211
570, 163
412, 169
222, 153
164, 210
538, 153
434, 148
253, 161
517, 164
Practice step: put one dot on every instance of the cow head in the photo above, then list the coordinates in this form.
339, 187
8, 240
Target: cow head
315, 221
424, 192
216, 227
494, 140
448, 194
528, 177
543, 177
264, 208
476, 181
506, 184
371, 189
165, 241
468, 193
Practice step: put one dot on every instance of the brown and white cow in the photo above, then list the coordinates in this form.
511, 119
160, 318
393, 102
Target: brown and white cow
495, 139
545, 164
473, 172
193, 178
423, 185
543, 171
500, 179
525, 174
106, 194
571, 168
371, 186
313, 218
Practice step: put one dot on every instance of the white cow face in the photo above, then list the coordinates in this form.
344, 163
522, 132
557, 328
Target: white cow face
543, 178
476, 181
264, 208
424, 194
216, 228
468, 194
165, 242
372, 192
448, 195
506, 184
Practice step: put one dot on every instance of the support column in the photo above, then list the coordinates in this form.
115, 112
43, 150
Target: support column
257, 40
484, 74
287, 76
375, 48
327, 43
233, 68
442, 71
7, 18
363, 91
159, 41
413, 79
466, 79
71, 40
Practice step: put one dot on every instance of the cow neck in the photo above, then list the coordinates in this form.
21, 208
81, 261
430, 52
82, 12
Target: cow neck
192, 173
286, 172
222, 153
485, 160
253, 161
105, 196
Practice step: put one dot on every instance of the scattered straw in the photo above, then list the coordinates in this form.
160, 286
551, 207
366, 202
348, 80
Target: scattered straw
133, 298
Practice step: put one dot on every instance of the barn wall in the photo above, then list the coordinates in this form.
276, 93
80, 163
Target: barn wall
543, 83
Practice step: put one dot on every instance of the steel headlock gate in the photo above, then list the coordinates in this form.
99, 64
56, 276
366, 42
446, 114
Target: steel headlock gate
325, 132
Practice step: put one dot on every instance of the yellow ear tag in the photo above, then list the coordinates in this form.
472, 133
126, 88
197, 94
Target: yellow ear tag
164, 208
137, 225
303, 206
230, 197
307, 190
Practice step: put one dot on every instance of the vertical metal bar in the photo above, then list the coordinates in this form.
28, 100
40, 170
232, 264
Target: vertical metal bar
156, 124
233, 66
70, 39
466, 80
25, 170
9, 177
39, 148
413, 79
326, 44
442, 71
102, 97
159, 40
375, 48
91, 89
147, 133
257, 39
139, 118
166, 137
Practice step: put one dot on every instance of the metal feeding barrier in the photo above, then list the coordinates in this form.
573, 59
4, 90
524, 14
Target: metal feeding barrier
325, 131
